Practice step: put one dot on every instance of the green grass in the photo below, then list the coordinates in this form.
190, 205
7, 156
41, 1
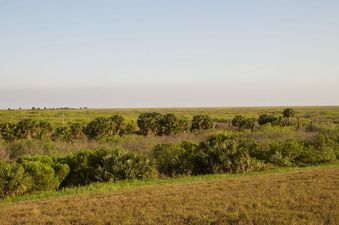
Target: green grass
128, 184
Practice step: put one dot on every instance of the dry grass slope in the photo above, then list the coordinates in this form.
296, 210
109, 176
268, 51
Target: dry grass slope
301, 197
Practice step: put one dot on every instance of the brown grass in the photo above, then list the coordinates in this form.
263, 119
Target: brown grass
305, 197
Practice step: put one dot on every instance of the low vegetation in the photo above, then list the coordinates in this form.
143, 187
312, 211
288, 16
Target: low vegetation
218, 154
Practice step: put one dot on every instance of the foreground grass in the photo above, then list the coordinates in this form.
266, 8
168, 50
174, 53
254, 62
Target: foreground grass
282, 196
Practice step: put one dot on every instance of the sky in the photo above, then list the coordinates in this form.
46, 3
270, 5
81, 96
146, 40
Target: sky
192, 53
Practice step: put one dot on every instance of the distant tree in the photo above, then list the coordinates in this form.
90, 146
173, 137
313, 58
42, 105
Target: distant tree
76, 130
7, 131
238, 121
32, 129
265, 119
288, 113
62, 134
242, 123
249, 123
201, 122
149, 123
171, 124
105, 127
118, 122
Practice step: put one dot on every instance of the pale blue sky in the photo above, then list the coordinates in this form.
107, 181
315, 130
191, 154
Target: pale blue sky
169, 53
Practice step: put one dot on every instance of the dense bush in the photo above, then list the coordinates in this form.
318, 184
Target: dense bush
285, 153
31, 174
82, 165
25, 129
130, 128
169, 159
14, 180
158, 124
218, 154
323, 148
7, 131
62, 134
288, 113
148, 123
269, 119
103, 127
43, 173
31, 129
119, 165
171, 124
221, 153
201, 122
243, 123
105, 165
68, 134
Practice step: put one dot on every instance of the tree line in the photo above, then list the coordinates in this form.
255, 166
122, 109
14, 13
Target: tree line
147, 123
105, 127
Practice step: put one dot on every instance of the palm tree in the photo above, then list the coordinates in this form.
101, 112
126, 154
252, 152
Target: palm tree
288, 113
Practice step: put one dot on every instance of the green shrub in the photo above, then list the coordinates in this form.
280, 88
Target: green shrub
265, 119
14, 180
7, 131
148, 123
129, 129
62, 134
32, 129
103, 127
288, 113
285, 153
320, 149
105, 165
201, 122
241, 122
238, 121
168, 159
219, 154
120, 165
82, 165
171, 124
45, 173
157, 124
68, 134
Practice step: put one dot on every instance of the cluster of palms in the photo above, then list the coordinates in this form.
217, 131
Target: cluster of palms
105, 127
241, 122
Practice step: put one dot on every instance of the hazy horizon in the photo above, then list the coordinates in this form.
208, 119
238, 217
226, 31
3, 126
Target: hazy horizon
156, 97
104, 54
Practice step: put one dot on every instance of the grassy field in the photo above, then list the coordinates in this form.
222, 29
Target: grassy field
320, 116
85, 115
283, 196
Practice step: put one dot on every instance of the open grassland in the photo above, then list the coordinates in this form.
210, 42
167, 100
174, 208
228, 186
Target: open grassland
319, 117
298, 196
56, 116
